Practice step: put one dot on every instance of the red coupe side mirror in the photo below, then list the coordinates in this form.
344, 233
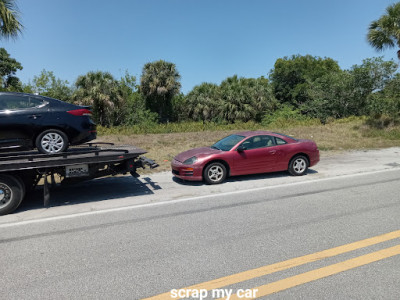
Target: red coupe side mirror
241, 148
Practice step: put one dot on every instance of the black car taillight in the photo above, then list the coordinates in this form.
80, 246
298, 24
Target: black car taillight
80, 112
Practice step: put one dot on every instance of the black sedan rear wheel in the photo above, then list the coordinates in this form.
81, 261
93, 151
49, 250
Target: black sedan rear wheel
52, 141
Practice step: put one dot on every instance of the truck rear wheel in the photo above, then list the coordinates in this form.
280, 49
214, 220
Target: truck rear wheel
11, 193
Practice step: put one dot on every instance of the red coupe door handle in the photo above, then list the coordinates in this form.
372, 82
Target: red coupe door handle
272, 151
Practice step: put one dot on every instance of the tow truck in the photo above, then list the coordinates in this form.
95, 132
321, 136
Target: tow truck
21, 172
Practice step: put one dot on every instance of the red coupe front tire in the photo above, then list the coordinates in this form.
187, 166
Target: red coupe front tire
214, 173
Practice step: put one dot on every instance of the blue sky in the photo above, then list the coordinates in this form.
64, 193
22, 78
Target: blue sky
208, 40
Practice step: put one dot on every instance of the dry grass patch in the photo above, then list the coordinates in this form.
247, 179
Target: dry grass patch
336, 136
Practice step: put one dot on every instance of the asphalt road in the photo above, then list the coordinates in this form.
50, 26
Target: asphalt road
333, 234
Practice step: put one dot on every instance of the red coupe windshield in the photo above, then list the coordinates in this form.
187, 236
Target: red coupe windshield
228, 142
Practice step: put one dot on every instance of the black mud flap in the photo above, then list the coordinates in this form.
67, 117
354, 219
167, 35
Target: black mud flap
46, 188
46, 192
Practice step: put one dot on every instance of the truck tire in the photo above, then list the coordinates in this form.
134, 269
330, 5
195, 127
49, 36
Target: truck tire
52, 141
22, 185
11, 194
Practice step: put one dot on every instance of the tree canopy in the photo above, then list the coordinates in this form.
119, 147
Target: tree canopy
48, 85
346, 93
8, 67
300, 88
292, 77
236, 99
245, 99
159, 83
203, 102
101, 91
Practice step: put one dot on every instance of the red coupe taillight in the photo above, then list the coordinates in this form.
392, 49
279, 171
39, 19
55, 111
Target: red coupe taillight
80, 112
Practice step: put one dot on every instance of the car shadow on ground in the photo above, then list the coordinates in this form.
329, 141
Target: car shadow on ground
243, 178
90, 191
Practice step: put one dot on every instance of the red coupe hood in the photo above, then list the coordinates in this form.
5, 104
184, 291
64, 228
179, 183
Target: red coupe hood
198, 152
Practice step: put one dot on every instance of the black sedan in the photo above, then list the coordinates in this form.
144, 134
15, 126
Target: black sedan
50, 125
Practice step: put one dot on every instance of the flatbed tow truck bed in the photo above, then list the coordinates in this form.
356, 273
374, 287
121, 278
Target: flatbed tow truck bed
20, 172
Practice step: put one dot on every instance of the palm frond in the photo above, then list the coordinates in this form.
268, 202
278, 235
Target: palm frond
385, 32
10, 25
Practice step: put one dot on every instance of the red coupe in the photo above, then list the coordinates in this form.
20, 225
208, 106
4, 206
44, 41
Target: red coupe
244, 153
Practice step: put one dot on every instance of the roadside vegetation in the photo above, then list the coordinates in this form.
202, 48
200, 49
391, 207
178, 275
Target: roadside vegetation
167, 140
303, 95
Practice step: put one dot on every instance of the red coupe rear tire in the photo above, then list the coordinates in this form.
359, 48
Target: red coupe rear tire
298, 166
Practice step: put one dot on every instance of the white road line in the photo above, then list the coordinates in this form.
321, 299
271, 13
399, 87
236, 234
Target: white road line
167, 202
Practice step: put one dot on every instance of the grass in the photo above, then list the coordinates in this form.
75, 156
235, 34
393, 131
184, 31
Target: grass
165, 141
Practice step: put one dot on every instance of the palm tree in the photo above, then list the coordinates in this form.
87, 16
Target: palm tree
159, 83
101, 91
10, 26
245, 99
203, 102
385, 32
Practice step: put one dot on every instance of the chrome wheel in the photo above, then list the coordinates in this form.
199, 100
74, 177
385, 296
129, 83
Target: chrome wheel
52, 142
5, 195
299, 165
215, 173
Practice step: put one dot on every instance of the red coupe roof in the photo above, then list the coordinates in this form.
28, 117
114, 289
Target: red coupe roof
251, 133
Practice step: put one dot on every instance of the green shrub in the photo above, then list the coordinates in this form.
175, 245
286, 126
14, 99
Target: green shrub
287, 116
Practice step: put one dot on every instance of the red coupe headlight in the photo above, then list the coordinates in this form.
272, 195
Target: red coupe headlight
190, 161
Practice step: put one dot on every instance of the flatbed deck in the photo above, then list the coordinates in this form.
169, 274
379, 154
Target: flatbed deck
15, 161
